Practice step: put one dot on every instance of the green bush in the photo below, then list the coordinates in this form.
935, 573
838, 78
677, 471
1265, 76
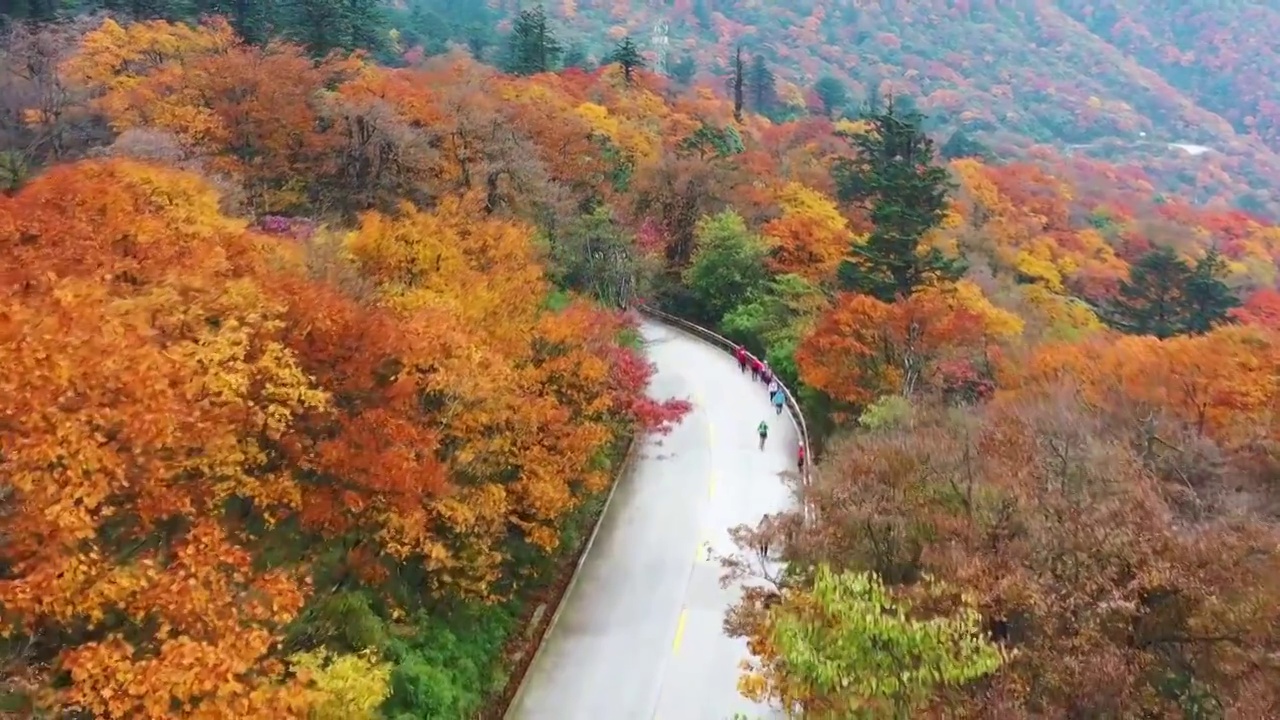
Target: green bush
451, 665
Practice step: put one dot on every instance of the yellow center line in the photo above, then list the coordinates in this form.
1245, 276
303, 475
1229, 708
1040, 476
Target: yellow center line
684, 615
711, 485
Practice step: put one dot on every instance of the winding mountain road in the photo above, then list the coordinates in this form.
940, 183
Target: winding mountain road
640, 636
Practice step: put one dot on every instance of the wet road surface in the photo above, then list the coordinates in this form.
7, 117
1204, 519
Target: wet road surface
640, 634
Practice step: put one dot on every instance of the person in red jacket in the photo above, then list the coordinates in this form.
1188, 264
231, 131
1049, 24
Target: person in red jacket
800, 458
756, 367
741, 354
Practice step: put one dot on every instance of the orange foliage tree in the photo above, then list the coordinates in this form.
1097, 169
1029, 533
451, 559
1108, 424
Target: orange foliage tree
1221, 386
1047, 516
811, 237
863, 348
149, 397
220, 97
184, 399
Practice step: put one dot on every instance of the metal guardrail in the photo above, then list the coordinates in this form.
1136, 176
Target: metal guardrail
793, 407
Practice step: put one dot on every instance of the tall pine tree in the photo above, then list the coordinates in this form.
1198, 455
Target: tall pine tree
1165, 296
761, 84
576, 57
533, 46
832, 94
894, 177
325, 25
1209, 299
628, 56
738, 82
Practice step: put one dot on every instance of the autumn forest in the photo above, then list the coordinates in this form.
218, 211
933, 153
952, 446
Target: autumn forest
318, 355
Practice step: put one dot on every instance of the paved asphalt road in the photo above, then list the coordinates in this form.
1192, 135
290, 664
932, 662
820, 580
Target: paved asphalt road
640, 635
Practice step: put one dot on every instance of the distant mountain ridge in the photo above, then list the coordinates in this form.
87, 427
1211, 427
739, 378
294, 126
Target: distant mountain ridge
1015, 72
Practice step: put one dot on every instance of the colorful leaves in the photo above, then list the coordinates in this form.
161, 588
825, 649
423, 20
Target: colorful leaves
1223, 384
849, 647
811, 237
353, 686
401, 404
1260, 308
181, 397
863, 348
1059, 520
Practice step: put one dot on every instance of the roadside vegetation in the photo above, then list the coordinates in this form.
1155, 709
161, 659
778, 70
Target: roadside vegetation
315, 364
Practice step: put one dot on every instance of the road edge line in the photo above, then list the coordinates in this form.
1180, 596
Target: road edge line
623, 468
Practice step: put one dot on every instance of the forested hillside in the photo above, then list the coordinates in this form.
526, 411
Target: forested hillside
1118, 80
312, 367
1182, 94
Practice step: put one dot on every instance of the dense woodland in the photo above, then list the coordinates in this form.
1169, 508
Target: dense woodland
1061, 82
1117, 80
313, 362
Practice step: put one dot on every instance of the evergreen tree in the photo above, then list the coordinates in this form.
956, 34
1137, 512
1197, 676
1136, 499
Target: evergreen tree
317, 24
479, 40
962, 145
628, 56
709, 141
365, 25
684, 69
37, 10
738, 80
325, 25
149, 9
762, 85
576, 57
833, 94
895, 178
533, 46
1151, 301
1165, 296
872, 103
1209, 298
435, 24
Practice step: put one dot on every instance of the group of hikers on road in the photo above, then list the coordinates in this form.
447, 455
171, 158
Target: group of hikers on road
761, 372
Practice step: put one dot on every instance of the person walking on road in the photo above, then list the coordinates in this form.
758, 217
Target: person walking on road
774, 388
778, 400
766, 375
800, 458
756, 367
763, 430
741, 354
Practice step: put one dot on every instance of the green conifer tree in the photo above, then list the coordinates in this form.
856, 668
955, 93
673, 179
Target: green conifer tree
894, 177
533, 47
761, 84
832, 93
628, 56
738, 84
1210, 300
1166, 296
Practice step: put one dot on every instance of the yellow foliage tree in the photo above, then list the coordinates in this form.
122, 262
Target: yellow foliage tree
811, 237
1000, 324
347, 687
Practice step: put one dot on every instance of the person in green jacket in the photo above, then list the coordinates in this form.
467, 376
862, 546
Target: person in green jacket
763, 430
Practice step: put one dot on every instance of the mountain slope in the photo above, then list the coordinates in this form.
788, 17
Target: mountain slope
1124, 81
